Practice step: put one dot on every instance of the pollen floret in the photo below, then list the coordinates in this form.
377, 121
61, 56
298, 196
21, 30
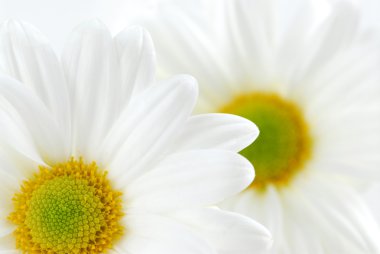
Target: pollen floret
69, 208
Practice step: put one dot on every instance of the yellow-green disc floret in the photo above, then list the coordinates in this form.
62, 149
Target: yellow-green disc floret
69, 208
64, 213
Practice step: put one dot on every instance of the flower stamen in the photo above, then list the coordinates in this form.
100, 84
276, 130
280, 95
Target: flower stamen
69, 208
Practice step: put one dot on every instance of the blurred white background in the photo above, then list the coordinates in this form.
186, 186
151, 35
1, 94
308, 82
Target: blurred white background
56, 18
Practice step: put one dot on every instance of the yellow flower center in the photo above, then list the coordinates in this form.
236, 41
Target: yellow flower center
284, 143
69, 208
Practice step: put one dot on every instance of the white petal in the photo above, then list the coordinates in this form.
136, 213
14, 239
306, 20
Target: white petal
266, 208
250, 38
92, 72
17, 165
147, 234
8, 188
297, 243
8, 245
5, 227
218, 131
118, 252
227, 232
354, 85
336, 32
47, 136
291, 49
15, 136
190, 179
144, 131
137, 60
26, 55
339, 216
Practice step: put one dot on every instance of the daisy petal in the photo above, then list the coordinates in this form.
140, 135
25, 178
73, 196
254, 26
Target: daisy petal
5, 227
332, 36
222, 131
15, 137
266, 208
160, 235
189, 179
7, 245
27, 56
137, 60
144, 131
250, 53
47, 137
118, 252
347, 227
296, 243
8, 187
230, 233
90, 65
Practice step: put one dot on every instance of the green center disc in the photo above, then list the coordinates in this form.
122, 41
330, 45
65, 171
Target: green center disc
64, 213
284, 143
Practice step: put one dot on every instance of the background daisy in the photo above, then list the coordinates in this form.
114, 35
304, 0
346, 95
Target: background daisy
311, 84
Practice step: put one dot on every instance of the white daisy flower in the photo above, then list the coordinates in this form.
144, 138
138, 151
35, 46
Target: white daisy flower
312, 87
95, 158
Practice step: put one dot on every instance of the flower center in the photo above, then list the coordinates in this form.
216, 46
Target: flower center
284, 143
69, 208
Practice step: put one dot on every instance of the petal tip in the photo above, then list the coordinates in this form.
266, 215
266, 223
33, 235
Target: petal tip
188, 85
22, 32
247, 169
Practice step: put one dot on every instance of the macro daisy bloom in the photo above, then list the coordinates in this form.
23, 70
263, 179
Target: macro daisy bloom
96, 158
312, 87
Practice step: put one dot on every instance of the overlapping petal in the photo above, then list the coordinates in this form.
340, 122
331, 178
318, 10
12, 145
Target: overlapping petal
222, 131
28, 110
26, 55
137, 61
145, 129
161, 235
93, 77
228, 232
190, 179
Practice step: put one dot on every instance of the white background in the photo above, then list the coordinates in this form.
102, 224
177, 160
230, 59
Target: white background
56, 18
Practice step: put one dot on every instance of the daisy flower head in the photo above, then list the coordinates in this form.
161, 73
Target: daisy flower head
311, 84
98, 158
